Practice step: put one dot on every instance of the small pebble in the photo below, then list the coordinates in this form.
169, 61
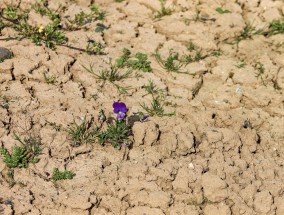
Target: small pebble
191, 166
239, 91
5, 53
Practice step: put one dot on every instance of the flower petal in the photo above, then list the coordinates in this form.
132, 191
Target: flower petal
116, 107
121, 115
123, 107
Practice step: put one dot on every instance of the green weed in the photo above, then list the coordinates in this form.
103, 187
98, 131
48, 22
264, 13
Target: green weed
241, 64
117, 133
276, 27
156, 108
41, 8
4, 102
247, 33
260, 72
152, 89
94, 47
221, 11
139, 61
83, 132
172, 63
22, 155
83, 18
163, 10
111, 75
12, 13
50, 79
61, 175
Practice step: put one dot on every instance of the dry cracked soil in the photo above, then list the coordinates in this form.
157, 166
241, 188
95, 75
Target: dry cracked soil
221, 153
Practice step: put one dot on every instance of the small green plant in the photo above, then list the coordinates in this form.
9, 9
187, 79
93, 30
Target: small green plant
111, 75
152, 89
50, 79
22, 155
261, 70
50, 35
241, 64
12, 13
83, 18
191, 47
156, 108
163, 10
138, 62
117, 133
61, 175
41, 8
221, 11
4, 102
247, 33
83, 132
172, 63
276, 27
94, 47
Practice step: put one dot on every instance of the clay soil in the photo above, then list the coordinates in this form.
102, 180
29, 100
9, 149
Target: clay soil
221, 153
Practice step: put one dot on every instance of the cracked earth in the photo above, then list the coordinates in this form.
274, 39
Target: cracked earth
201, 161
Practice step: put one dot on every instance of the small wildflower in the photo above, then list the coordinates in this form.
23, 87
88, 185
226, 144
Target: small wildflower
40, 29
120, 109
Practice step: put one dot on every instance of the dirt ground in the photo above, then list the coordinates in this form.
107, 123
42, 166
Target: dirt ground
221, 153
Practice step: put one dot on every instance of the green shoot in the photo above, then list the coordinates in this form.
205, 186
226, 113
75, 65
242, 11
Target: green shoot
82, 133
221, 11
61, 175
111, 75
138, 62
156, 108
117, 134
152, 89
163, 10
22, 155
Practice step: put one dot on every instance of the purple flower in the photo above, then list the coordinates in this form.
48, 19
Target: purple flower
120, 109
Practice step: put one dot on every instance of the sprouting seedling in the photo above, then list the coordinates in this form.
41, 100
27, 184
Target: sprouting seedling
275, 27
138, 62
171, 64
112, 75
221, 11
22, 155
41, 8
241, 64
261, 70
94, 47
152, 89
156, 108
163, 10
82, 18
4, 102
83, 132
50, 79
61, 175
247, 33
